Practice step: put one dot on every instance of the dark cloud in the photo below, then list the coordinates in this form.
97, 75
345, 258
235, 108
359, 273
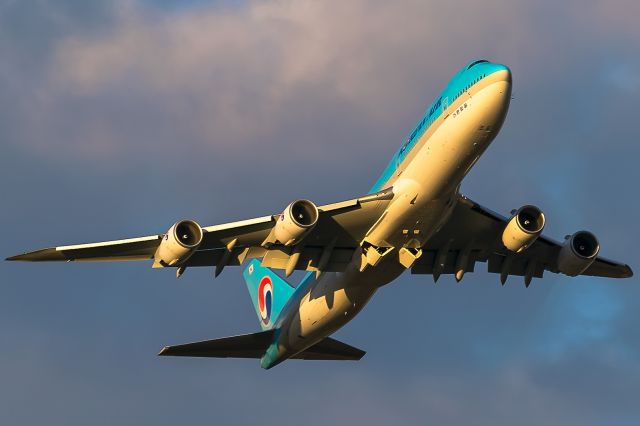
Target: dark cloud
117, 118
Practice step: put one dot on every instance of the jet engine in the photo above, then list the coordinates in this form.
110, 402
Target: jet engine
179, 243
297, 220
578, 252
523, 228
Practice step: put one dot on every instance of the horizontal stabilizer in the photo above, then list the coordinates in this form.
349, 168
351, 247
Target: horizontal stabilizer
251, 345
255, 345
331, 349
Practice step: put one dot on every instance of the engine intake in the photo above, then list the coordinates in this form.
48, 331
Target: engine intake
523, 229
179, 243
578, 252
295, 222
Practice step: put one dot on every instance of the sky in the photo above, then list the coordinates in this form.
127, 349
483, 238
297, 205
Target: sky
118, 118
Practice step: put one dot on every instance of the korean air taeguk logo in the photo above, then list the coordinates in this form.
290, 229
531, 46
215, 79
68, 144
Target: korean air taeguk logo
265, 299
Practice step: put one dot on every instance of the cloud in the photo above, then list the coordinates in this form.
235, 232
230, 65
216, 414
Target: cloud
230, 78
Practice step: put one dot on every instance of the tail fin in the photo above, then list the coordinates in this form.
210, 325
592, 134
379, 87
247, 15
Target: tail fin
268, 291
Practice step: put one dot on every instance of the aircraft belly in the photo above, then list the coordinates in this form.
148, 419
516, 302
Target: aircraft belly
409, 225
330, 303
316, 313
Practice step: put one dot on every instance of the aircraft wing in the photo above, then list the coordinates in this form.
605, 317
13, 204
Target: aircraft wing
473, 234
331, 244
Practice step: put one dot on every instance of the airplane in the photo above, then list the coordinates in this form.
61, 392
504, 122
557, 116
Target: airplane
414, 217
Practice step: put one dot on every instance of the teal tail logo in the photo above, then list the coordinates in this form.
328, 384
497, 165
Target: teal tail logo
269, 293
265, 299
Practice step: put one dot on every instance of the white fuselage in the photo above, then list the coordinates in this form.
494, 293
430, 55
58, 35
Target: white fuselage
425, 185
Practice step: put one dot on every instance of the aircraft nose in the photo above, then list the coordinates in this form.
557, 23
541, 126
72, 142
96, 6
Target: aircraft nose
503, 71
500, 89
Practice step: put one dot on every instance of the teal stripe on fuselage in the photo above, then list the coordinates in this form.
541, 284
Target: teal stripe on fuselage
462, 81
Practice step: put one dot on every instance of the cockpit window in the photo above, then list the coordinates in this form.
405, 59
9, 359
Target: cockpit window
476, 63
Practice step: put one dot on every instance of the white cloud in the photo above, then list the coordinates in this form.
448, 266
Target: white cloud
238, 78
236, 74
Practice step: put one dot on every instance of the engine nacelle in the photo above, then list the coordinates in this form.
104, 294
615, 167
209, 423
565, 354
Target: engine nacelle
295, 222
179, 243
523, 228
578, 252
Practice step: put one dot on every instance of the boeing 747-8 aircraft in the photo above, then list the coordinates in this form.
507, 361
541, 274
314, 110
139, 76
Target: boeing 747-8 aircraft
412, 218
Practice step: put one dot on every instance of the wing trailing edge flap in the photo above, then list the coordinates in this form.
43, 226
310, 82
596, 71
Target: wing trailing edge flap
243, 346
307, 259
254, 345
450, 262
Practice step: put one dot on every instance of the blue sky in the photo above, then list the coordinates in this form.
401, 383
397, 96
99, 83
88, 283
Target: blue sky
118, 118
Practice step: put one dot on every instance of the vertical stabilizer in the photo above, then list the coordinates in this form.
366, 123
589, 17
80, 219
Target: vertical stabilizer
268, 291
